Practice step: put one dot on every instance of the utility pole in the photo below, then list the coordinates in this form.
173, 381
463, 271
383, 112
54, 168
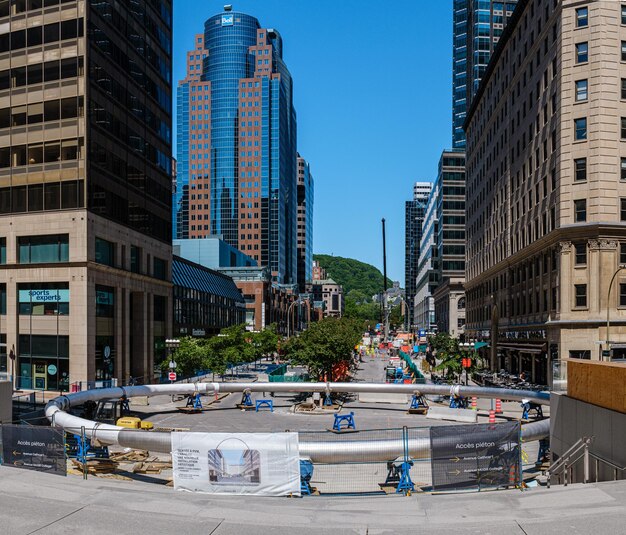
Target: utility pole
385, 304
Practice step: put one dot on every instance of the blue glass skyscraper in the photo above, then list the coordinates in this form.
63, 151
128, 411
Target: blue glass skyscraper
237, 172
477, 27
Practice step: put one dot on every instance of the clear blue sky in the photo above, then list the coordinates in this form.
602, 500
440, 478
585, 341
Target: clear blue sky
373, 93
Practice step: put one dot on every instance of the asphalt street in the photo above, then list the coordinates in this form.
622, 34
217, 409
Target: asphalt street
31, 502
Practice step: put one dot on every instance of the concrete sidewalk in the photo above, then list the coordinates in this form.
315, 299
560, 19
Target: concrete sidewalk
33, 502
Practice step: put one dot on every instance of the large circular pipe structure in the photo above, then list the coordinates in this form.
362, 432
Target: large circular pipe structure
317, 451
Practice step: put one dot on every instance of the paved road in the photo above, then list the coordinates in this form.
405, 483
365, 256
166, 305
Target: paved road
31, 502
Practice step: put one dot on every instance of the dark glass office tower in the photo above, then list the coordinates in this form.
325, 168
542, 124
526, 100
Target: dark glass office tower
85, 189
414, 213
477, 27
237, 143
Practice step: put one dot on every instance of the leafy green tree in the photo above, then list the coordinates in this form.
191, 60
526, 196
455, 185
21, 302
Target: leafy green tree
396, 319
265, 342
325, 344
352, 274
451, 355
189, 357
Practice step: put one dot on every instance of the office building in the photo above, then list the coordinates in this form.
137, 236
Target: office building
236, 147
414, 218
212, 253
205, 301
266, 302
477, 28
305, 223
546, 198
85, 190
441, 266
427, 276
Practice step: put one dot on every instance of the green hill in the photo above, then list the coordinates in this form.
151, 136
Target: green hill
360, 281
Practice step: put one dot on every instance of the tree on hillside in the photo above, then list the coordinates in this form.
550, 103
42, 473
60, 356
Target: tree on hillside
352, 274
325, 344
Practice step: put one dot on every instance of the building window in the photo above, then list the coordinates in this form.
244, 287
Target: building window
623, 14
105, 302
159, 270
135, 259
623, 88
623, 50
582, 52
622, 295
105, 252
582, 17
580, 291
580, 169
580, 210
581, 254
580, 129
581, 90
44, 299
3, 250
43, 249
623, 128
622, 169
622, 253
580, 354
622, 209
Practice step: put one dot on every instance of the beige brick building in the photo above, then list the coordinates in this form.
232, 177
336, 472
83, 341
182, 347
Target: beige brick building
546, 187
85, 191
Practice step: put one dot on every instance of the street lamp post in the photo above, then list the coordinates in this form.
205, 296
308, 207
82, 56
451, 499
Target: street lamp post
289, 314
172, 344
608, 310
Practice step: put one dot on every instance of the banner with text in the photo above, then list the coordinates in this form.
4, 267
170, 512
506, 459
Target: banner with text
34, 448
475, 457
264, 464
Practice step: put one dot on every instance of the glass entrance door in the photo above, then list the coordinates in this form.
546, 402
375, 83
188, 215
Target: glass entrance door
40, 378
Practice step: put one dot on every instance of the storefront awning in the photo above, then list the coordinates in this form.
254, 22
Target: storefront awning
524, 348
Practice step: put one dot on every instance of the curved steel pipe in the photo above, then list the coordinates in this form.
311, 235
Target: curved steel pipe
317, 451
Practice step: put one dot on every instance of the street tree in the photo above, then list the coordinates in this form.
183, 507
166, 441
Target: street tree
189, 357
325, 344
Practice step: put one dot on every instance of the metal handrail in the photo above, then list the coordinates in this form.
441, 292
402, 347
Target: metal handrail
580, 450
616, 468
565, 462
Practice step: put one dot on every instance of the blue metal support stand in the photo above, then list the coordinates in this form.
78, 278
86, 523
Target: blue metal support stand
246, 400
124, 409
458, 402
83, 447
306, 473
328, 401
544, 450
525, 409
405, 483
415, 402
194, 401
341, 418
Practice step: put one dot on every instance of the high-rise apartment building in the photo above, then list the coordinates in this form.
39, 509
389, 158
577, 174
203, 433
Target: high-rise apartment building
427, 276
547, 189
236, 147
305, 223
414, 219
442, 250
85, 189
477, 28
